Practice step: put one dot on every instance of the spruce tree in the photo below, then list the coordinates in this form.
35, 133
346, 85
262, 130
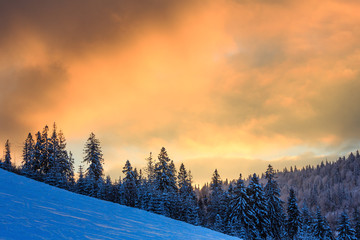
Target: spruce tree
345, 231
258, 203
36, 164
164, 178
307, 222
80, 183
215, 198
7, 158
218, 225
242, 216
150, 168
28, 156
94, 172
44, 152
184, 192
129, 185
274, 205
293, 221
356, 218
319, 225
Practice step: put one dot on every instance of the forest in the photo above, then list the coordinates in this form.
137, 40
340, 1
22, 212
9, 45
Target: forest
315, 202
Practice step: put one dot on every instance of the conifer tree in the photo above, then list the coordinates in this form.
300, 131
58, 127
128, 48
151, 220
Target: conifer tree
94, 172
258, 203
36, 164
242, 216
44, 152
218, 225
183, 181
80, 183
215, 198
28, 156
345, 231
274, 205
356, 218
7, 158
293, 221
307, 222
129, 185
319, 225
150, 168
164, 178
184, 192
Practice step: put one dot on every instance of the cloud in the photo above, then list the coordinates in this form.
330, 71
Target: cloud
28, 91
207, 79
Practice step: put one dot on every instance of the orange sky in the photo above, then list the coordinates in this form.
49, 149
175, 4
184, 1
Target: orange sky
225, 84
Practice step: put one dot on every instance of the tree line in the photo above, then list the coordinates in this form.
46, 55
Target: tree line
248, 209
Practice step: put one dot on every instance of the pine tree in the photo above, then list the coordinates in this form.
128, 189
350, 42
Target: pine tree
7, 158
164, 178
28, 156
307, 222
345, 231
80, 183
60, 170
258, 203
356, 218
129, 185
274, 205
36, 164
150, 168
184, 191
319, 225
44, 152
242, 216
214, 198
70, 173
293, 221
218, 225
93, 157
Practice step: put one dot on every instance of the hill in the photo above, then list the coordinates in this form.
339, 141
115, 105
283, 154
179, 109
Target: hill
34, 210
332, 186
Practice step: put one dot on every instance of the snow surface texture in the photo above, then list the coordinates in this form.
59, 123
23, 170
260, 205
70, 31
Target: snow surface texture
34, 210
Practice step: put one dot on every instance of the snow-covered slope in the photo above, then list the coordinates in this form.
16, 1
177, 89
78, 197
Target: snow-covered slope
33, 210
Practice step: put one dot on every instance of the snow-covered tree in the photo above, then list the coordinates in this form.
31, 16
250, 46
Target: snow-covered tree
293, 220
129, 185
44, 152
80, 183
94, 172
259, 205
28, 156
7, 158
36, 164
307, 222
150, 168
215, 198
344, 229
356, 220
242, 216
321, 227
274, 205
164, 175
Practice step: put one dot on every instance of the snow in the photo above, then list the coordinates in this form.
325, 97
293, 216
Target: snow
34, 210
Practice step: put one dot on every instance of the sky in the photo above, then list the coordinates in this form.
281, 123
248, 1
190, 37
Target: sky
226, 84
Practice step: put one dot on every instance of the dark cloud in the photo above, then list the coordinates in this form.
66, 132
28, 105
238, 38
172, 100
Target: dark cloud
81, 25
26, 92
62, 29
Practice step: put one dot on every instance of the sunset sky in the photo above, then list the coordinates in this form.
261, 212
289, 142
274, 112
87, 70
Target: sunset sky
227, 84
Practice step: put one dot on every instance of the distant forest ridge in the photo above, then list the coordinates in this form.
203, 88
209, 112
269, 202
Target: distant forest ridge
310, 203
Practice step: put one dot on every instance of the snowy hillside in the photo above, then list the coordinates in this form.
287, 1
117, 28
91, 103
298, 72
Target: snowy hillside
33, 210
